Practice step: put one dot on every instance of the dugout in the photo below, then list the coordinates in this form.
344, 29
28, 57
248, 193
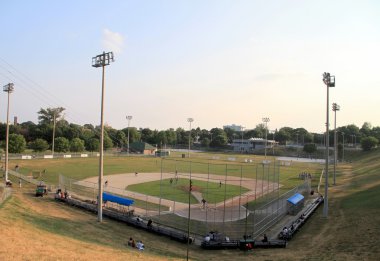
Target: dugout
295, 204
116, 199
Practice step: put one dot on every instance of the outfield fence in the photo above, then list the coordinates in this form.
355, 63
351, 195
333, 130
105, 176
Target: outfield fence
232, 199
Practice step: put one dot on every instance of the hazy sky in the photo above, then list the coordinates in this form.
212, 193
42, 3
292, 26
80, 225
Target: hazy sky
220, 62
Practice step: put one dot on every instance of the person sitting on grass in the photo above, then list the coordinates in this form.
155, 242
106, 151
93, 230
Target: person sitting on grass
140, 245
130, 241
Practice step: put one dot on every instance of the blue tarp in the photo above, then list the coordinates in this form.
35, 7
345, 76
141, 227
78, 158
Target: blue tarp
117, 199
295, 199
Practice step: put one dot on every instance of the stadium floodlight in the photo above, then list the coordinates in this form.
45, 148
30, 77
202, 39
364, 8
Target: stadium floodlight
335, 108
329, 81
190, 120
266, 120
129, 118
101, 60
9, 88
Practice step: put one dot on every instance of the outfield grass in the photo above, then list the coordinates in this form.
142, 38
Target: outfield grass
179, 191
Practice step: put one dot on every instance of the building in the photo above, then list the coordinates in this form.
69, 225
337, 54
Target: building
142, 148
233, 127
252, 144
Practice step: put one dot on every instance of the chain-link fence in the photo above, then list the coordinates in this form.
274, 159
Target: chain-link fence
233, 199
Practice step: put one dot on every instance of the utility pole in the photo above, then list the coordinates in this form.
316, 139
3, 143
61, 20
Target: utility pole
101, 60
9, 88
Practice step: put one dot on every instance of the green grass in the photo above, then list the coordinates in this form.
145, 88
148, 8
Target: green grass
179, 191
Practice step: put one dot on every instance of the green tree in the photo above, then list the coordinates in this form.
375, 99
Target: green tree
39, 145
48, 115
93, 144
107, 143
62, 144
219, 137
16, 143
369, 143
76, 145
310, 148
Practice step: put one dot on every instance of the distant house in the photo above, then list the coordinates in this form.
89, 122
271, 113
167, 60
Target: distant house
142, 148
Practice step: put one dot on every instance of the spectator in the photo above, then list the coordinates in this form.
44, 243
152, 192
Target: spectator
207, 238
130, 241
140, 245
149, 225
265, 238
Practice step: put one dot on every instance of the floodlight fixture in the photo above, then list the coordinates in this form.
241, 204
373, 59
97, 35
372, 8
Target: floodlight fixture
190, 120
329, 81
101, 60
129, 118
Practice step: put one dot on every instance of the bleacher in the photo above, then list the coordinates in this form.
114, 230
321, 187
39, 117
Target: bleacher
293, 227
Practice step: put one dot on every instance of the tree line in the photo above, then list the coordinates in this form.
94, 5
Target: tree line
76, 138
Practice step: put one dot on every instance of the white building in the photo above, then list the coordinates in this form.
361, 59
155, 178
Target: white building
252, 144
233, 127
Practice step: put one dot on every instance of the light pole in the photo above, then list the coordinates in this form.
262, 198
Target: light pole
343, 147
242, 138
9, 88
129, 118
52, 146
101, 60
266, 120
190, 120
335, 108
330, 82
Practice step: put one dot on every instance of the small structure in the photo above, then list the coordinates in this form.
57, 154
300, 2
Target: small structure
117, 199
252, 144
142, 148
295, 203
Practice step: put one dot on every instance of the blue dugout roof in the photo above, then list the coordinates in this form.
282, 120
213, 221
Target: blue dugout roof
295, 199
117, 199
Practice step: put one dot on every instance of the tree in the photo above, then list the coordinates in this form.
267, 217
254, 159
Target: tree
76, 145
16, 143
369, 143
92, 144
107, 142
39, 145
47, 116
283, 135
62, 144
310, 148
219, 137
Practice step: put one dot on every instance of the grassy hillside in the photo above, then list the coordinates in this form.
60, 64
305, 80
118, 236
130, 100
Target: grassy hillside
34, 228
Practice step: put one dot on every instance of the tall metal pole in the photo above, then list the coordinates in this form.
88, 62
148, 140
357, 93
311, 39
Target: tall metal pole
242, 137
336, 107
188, 216
52, 146
9, 88
266, 120
101, 60
330, 82
190, 120
129, 118
343, 148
